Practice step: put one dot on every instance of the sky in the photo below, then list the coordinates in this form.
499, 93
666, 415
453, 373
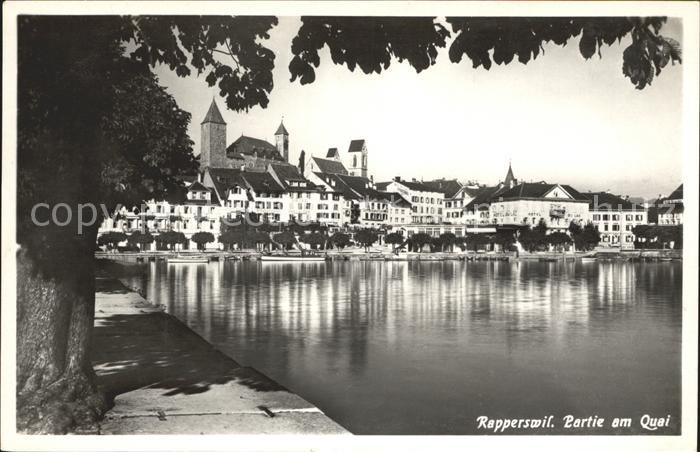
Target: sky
559, 118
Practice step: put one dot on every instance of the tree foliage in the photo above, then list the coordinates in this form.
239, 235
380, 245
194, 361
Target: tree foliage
111, 239
314, 239
285, 238
394, 238
420, 239
372, 44
585, 238
340, 240
366, 237
201, 238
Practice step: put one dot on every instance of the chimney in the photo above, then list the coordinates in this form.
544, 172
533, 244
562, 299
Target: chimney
397, 178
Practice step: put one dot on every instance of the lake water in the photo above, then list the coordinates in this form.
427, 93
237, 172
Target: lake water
428, 347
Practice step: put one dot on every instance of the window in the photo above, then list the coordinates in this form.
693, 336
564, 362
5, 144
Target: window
354, 161
616, 217
605, 227
606, 217
639, 217
596, 217
616, 227
628, 217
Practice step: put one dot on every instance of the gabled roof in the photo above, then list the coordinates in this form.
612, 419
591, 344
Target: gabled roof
449, 188
484, 196
250, 146
332, 153
608, 201
412, 185
330, 166
382, 186
197, 186
538, 190
281, 130
213, 115
677, 194
352, 187
262, 182
356, 145
287, 172
225, 178
395, 199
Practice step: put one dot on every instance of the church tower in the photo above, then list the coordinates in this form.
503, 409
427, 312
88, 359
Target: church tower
282, 141
356, 160
510, 181
213, 139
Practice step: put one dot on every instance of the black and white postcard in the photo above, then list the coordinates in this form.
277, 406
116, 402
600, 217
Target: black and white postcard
349, 225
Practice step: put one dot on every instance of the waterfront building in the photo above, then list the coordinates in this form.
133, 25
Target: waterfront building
309, 202
456, 197
426, 202
670, 209
615, 218
201, 211
363, 204
529, 203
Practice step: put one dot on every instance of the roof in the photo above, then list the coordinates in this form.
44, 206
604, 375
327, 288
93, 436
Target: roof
395, 199
262, 182
251, 146
677, 193
225, 178
356, 145
287, 172
213, 115
413, 185
352, 187
608, 201
332, 153
330, 166
197, 186
538, 190
281, 130
449, 188
484, 196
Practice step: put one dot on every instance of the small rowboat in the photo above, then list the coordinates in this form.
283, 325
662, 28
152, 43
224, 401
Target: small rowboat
588, 259
187, 260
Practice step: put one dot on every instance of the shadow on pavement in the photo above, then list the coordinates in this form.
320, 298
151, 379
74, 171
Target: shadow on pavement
155, 350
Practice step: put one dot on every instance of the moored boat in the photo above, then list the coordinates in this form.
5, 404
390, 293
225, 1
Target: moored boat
188, 260
291, 258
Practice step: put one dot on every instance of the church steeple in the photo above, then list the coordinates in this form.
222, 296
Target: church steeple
510, 180
213, 139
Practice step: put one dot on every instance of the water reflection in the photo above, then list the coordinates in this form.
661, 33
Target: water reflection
432, 345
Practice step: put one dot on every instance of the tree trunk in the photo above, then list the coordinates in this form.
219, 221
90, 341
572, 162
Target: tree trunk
55, 381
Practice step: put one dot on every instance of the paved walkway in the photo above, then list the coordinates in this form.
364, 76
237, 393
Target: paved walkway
165, 379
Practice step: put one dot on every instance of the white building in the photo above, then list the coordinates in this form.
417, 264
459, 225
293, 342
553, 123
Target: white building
528, 203
615, 218
670, 210
426, 202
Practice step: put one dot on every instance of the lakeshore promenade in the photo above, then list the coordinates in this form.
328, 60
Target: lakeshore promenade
165, 379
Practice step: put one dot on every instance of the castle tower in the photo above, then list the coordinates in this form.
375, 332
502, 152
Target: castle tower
282, 141
213, 140
357, 158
